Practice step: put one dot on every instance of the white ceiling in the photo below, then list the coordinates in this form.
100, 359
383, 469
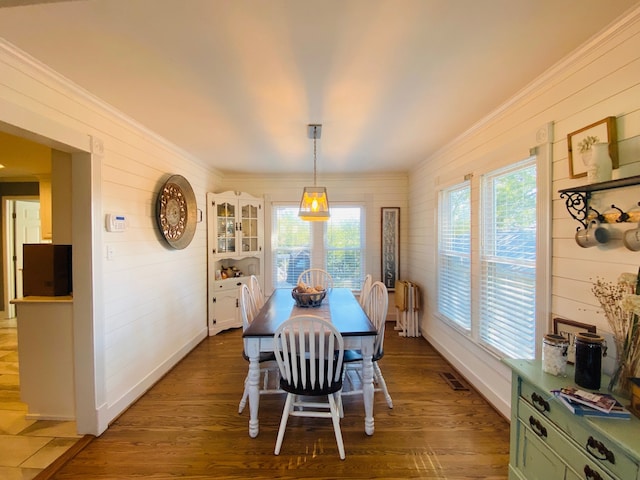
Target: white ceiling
235, 82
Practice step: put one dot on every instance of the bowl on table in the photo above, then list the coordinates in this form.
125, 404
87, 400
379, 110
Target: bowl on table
308, 299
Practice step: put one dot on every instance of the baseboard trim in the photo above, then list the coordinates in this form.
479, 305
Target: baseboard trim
59, 462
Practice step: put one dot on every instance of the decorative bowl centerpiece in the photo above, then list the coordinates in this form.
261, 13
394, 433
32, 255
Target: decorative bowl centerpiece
308, 296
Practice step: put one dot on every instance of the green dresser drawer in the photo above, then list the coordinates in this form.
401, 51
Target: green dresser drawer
547, 438
596, 445
579, 464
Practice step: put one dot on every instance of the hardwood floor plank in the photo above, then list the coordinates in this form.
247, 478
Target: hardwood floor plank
187, 426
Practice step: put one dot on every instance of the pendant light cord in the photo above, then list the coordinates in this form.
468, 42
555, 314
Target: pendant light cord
314, 155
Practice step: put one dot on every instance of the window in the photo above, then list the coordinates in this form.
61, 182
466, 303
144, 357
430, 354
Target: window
454, 255
335, 245
497, 297
290, 246
508, 260
344, 246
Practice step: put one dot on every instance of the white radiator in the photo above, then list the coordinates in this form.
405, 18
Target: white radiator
407, 299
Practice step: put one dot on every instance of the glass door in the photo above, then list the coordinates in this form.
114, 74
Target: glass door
226, 227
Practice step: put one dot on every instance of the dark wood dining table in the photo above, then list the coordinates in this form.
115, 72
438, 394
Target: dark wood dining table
342, 309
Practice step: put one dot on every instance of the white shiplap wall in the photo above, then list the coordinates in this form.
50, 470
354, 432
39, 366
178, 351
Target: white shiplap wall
147, 306
599, 80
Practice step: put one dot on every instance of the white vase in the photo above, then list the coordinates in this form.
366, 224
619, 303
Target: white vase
598, 163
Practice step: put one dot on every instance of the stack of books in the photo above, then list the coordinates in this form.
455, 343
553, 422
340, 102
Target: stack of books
587, 404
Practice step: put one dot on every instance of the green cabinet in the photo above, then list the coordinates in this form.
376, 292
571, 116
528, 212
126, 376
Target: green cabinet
550, 442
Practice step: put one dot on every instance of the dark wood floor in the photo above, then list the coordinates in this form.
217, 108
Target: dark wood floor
187, 426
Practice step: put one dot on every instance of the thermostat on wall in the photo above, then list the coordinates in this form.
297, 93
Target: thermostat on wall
116, 222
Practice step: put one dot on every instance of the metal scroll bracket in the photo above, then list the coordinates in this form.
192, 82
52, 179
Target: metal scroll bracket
577, 204
577, 198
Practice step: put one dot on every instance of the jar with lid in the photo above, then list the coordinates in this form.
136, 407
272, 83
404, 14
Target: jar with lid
590, 348
554, 354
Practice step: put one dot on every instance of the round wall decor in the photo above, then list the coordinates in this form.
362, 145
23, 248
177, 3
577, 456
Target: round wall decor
176, 212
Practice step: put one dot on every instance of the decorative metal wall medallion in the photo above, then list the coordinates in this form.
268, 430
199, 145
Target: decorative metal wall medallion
176, 212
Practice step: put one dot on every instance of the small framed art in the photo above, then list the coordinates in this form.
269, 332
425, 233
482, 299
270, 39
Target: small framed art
604, 131
568, 329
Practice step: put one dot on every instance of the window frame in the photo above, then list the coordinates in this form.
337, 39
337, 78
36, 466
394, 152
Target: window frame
486, 229
443, 202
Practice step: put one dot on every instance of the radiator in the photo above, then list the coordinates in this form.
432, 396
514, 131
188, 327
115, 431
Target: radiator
407, 299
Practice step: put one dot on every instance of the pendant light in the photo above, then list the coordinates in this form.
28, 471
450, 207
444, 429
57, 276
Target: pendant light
314, 205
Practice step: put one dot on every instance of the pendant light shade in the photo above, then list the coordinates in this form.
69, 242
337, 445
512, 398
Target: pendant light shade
314, 205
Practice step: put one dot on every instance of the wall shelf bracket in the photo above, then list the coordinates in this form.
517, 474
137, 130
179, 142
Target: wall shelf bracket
577, 204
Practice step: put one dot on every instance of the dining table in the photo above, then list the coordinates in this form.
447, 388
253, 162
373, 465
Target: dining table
342, 309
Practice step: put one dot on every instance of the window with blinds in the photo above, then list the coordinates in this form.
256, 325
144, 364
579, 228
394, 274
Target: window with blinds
344, 242
454, 254
290, 246
336, 245
508, 260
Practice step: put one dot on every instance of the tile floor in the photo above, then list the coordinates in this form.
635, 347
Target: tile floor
26, 446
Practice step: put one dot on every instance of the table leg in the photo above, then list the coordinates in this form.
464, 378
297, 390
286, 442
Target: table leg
254, 387
367, 385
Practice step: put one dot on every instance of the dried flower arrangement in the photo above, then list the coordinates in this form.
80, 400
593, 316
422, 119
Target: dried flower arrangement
586, 143
620, 303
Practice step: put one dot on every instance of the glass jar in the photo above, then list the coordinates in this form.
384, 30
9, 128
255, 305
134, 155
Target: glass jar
554, 354
590, 348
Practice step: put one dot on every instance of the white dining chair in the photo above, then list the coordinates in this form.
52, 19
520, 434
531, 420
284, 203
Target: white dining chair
309, 351
314, 277
268, 365
376, 305
364, 290
256, 291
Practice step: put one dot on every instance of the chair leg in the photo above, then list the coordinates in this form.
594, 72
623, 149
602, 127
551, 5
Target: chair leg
245, 395
377, 373
288, 404
338, 397
335, 418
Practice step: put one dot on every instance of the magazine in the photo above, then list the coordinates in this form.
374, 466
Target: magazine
599, 401
617, 412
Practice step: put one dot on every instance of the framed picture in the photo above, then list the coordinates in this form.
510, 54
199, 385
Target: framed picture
605, 131
390, 241
568, 329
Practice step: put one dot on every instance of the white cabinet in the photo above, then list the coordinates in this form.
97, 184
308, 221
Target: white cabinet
235, 243
223, 307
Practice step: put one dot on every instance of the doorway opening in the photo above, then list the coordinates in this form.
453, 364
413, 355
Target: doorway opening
22, 225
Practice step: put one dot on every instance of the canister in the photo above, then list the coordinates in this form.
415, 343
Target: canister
554, 354
590, 348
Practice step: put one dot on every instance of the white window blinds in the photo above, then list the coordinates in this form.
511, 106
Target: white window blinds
290, 246
343, 246
508, 260
454, 255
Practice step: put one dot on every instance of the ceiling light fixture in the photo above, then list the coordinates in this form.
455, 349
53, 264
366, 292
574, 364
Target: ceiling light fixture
314, 205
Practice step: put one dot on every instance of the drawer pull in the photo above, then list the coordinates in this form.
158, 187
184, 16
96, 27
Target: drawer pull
589, 473
537, 427
539, 403
602, 452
